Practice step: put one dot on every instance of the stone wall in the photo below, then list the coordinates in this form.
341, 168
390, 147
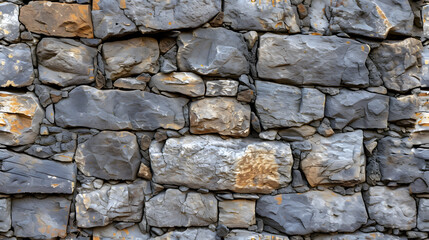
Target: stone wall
214, 119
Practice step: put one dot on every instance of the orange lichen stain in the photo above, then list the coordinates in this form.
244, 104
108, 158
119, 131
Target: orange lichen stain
126, 231
49, 230
426, 62
348, 42
96, 238
169, 23
95, 5
279, 199
363, 48
10, 55
54, 185
279, 24
424, 94
373, 235
122, 4
315, 34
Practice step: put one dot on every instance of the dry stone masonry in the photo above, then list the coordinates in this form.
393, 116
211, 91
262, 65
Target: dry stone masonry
214, 119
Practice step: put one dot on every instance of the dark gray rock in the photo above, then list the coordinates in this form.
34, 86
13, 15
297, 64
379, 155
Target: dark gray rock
296, 133
357, 236
111, 233
40, 218
213, 52
278, 16
358, 109
423, 217
174, 208
65, 62
15, 65
292, 59
5, 214
9, 23
189, 234
313, 211
185, 83
287, 106
20, 173
238, 234
227, 88
403, 108
117, 110
153, 16
109, 155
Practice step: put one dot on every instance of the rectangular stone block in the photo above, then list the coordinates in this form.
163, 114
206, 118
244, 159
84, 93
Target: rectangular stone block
423, 217
237, 213
16, 65
5, 214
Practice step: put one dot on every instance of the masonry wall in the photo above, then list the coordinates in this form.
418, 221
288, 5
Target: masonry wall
214, 119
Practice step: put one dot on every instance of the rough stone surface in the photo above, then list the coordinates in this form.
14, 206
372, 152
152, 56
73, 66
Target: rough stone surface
240, 165
287, 106
243, 234
313, 211
153, 16
403, 108
358, 109
130, 83
226, 88
188, 234
111, 233
5, 214
423, 217
9, 23
65, 62
392, 208
213, 52
278, 16
290, 59
130, 57
338, 159
225, 116
174, 208
185, 83
57, 19
15, 65
357, 236
40, 218
109, 155
117, 110
238, 213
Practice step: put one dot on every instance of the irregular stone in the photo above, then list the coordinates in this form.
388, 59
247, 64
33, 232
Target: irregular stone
237, 213
20, 118
185, 83
174, 208
251, 37
57, 19
420, 185
425, 60
242, 165
120, 202
357, 109
222, 115
214, 52
129, 83
377, 18
319, 21
238, 234
226, 88
403, 108
278, 16
357, 236
339, 159
399, 63
392, 208
423, 217
268, 135
313, 211
144, 172
118, 110
151, 16
111, 233
9, 23
5, 214
286, 106
16, 65
110, 156
246, 96
297, 133
65, 62
40, 218
109, 19
188, 234
290, 59
130, 57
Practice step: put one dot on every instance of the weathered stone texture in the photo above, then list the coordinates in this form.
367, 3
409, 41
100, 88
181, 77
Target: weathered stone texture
313, 211
57, 19
185, 83
237, 234
240, 165
226, 88
130, 83
292, 59
403, 108
5, 214
118, 110
238, 213
111, 233
9, 23
423, 217
188, 234
16, 65
357, 236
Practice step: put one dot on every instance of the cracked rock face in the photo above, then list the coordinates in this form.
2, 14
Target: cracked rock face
118, 110
338, 160
281, 105
188, 234
313, 211
221, 88
225, 116
241, 165
174, 208
5, 214
423, 217
291, 59
9, 23
16, 65
109, 155
189, 84
154, 16
65, 62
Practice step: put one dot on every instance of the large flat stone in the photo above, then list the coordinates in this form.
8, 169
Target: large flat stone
189, 84
9, 23
357, 236
153, 16
239, 213
292, 59
335, 160
65, 62
40, 218
238, 234
5, 214
188, 234
20, 173
109, 155
358, 109
313, 211
118, 110
16, 65
240, 165
222, 115
57, 19
423, 217
20, 118
174, 208
213, 52
281, 105
278, 16
111, 233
